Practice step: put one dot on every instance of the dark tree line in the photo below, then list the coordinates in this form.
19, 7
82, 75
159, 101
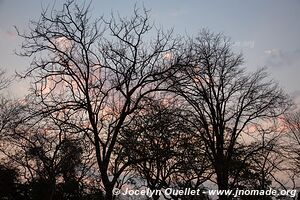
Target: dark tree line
120, 103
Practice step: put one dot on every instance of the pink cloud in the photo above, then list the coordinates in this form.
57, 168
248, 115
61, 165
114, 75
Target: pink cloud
10, 34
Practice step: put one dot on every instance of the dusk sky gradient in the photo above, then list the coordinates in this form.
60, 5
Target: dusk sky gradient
267, 32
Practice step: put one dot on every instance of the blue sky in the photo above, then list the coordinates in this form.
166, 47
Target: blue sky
266, 31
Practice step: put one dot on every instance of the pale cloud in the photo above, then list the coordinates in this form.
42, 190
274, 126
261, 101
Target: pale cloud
63, 44
168, 56
11, 34
177, 12
273, 52
280, 58
8, 34
244, 44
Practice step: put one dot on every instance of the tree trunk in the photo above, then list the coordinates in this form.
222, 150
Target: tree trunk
52, 188
155, 197
108, 194
222, 180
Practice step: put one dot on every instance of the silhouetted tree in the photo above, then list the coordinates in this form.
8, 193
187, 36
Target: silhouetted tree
9, 115
225, 99
52, 163
4, 80
8, 183
291, 148
97, 72
292, 121
9, 109
171, 157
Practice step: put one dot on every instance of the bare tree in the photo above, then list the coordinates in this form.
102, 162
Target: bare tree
293, 125
48, 158
95, 74
8, 110
257, 164
172, 157
225, 99
292, 147
4, 80
8, 179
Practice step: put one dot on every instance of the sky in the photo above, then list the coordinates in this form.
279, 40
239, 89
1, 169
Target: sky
267, 32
